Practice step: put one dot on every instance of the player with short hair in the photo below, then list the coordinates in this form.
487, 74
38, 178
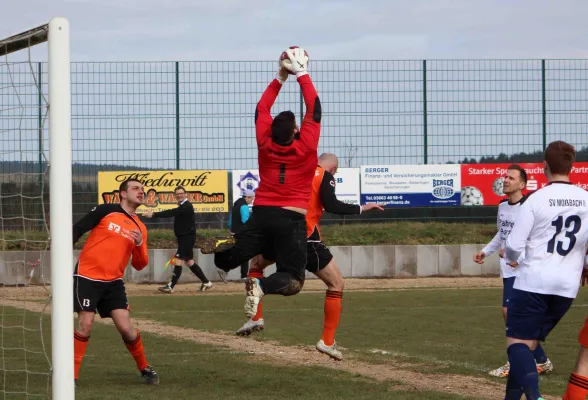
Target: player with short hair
116, 234
515, 181
287, 161
320, 261
185, 232
549, 229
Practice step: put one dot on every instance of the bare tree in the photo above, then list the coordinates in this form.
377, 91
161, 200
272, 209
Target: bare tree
350, 152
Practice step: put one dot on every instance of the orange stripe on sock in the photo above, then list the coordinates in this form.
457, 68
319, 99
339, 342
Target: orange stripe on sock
333, 307
255, 274
577, 388
579, 380
138, 352
80, 345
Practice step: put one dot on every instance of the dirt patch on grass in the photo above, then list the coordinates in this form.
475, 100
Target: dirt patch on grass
316, 285
405, 374
32, 293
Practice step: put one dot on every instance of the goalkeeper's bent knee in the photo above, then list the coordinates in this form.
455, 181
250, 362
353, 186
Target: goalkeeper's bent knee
293, 288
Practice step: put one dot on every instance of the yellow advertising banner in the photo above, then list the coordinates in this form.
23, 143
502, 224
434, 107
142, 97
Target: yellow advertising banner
206, 189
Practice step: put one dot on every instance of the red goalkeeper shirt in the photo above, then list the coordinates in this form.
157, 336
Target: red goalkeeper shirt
286, 172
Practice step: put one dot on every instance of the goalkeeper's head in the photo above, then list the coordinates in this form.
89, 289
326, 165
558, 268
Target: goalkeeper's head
284, 128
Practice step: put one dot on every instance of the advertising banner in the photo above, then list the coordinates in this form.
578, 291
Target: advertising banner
206, 189
346, 183
411, 185
482, 184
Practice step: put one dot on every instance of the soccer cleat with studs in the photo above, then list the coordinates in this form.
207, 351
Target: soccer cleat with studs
215, 244
205, 286
166, 289
222, 274
331, 351
250, 326
545, 367
150, 376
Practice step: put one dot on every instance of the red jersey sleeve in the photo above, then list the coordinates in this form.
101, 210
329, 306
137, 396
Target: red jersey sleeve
140, 256
310, 128
263, 117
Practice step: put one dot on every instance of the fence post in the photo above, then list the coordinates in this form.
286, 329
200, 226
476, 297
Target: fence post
301, 108
425, 144
177, 115
40, 125
543, 104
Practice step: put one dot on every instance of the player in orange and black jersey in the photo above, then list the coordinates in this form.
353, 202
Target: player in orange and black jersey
116, 235
319, 258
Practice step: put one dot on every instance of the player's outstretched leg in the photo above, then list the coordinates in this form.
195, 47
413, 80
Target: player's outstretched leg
523, 371
283, 283
134, 343
331, 276
169, 288
256, 323
578, 384
81, 338
196, 270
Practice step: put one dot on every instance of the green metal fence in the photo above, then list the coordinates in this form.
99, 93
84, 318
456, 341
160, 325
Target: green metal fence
199, 115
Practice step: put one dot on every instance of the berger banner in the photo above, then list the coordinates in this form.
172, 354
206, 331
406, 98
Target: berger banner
411, 185
206, 189
482, 184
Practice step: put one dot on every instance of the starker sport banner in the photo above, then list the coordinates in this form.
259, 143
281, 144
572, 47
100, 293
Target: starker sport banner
482, 184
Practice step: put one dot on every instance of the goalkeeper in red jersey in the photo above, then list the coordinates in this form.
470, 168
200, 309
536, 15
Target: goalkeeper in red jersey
116, 235
320, 261
287, 162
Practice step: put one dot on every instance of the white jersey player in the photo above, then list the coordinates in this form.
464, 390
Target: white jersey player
515, 181
549, 229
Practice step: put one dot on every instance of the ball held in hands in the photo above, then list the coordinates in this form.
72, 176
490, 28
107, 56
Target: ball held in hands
286, 61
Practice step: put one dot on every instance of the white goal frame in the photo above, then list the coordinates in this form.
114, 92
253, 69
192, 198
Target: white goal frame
56, 33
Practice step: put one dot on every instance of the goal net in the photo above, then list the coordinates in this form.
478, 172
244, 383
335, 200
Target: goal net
36, 303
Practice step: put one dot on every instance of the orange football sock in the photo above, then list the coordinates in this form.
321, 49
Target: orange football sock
577, 388
257, 274
333, 307
80, 344
138, 352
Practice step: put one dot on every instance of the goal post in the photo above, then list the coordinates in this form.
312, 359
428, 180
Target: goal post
56, 34
61, 212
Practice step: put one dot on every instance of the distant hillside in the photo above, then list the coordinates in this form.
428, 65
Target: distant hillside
29, 167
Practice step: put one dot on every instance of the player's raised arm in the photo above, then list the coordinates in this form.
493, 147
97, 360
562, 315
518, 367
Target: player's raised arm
496, 241
517, 239
310, 128
263, 117
89, 221
140, 255
330, 201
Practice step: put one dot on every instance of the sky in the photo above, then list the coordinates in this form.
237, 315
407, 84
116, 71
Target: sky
190, 30
373, 110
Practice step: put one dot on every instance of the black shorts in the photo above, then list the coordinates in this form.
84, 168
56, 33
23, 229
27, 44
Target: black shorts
99, 296
275, 228
186, 247
532, 316
318, 256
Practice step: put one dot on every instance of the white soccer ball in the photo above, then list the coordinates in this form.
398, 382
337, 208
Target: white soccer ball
471, 196
498, 187
286, 63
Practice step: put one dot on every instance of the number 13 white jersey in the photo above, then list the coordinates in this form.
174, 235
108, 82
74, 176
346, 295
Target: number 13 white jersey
552, 229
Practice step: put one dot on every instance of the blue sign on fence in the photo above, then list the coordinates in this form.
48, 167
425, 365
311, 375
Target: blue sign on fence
411, 185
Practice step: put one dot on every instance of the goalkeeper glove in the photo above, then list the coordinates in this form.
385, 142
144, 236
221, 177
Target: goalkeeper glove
299, 61
282, 74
